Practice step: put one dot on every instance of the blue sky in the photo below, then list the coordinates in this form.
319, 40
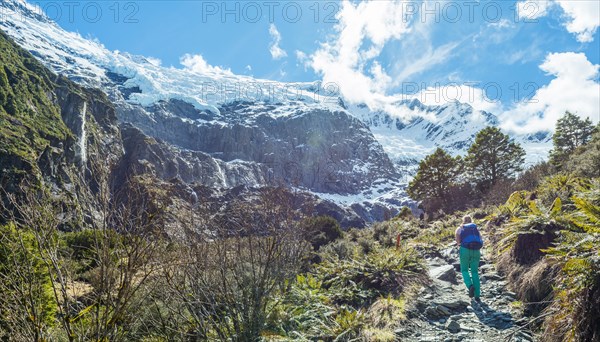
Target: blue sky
524, 49
169, 29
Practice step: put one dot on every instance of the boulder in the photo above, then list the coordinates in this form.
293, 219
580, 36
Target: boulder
443, 310
486, 268
445, 273
450, 254
453, 304
437, 312
494, 276
453, 326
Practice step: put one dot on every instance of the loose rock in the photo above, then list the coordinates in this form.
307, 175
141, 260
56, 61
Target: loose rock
453, 326
445, 273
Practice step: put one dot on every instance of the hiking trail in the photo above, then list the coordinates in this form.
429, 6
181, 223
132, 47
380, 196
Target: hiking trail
444, 311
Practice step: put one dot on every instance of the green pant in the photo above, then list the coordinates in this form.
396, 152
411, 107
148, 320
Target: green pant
469, 260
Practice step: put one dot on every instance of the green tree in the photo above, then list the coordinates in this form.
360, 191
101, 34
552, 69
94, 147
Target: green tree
571, 132
585, 160
436, 176
492, 157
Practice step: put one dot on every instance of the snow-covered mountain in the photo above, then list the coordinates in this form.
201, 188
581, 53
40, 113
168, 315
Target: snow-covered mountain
418, 129
226, 130
138, 79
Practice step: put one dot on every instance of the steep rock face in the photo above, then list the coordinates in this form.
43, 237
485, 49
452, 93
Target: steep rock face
144, 155
60, 135
196, 176
44, 112
312, 148
50, 128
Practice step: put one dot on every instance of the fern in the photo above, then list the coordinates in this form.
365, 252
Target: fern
563, 186
516, 204
587, 216
536, 219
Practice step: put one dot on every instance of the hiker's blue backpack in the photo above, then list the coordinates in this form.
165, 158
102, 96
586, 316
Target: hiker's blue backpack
470, 237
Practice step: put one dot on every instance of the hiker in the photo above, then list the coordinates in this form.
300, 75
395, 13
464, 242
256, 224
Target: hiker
470, 242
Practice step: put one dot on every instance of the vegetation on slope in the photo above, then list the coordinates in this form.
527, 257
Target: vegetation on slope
29, 115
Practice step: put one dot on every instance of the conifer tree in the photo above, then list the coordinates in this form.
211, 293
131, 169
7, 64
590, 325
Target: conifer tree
492, 157
571, 132
437, 174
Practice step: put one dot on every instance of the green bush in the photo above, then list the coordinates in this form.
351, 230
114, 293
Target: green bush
27, 308
366, 245
405, 213
585, 161
321, 230
340, 249
83, 246
384, 234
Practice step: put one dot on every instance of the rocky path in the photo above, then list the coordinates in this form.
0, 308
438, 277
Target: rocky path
444, 311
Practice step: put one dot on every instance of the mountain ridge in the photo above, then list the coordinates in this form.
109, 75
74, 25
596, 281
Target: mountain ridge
345, 153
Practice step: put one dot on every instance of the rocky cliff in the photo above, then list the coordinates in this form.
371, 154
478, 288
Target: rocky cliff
311, 148
64, 137
50, 128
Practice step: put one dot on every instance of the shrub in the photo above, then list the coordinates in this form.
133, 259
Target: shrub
499, 192
366, 245
531, 178
321, 230
387, 311
27, 306
576, 310
585, 161
383, 233
405, 213
340, 249
360, 280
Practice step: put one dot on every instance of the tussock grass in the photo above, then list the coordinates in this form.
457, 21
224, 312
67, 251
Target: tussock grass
549, 247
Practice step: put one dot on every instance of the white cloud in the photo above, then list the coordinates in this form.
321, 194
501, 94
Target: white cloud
531, 53
532, 9
574, 88
196, 63
301, 56
426, 58
276, 51
349, 57
583, 16
501, 24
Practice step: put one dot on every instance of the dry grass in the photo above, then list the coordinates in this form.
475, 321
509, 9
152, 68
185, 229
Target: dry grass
78, 289
574, 316
533, 283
